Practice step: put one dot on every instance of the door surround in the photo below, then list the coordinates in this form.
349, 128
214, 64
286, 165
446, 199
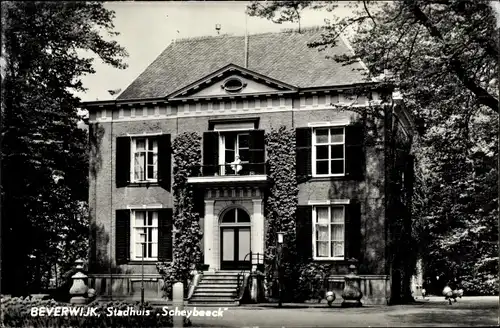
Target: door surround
220, 199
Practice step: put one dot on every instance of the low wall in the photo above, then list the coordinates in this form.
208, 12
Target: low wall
127, 286
375, 288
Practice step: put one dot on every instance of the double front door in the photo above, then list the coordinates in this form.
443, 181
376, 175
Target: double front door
235, 248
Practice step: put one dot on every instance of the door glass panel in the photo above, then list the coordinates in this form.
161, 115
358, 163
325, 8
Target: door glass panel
229, 155
227, 244
230, 216
242, 216
243, 141
244, 156
244, 244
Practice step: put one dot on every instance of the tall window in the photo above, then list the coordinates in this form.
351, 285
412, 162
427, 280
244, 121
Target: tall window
328, 151
144, 235
234, 145
145, 159
329, 232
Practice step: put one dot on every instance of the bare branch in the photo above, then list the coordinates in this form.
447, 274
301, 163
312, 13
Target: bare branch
368, 13
408, 62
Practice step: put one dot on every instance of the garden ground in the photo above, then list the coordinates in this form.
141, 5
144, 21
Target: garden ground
432, 312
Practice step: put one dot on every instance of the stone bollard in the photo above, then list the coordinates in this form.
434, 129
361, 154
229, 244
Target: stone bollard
79, 289
178, 303
352, 293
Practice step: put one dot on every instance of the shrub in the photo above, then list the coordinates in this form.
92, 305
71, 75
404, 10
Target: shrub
17, 313
312, 282
480, 285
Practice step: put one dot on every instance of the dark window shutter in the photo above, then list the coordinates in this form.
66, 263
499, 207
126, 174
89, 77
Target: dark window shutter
304, 230
165, 224
352, 230
354, 151
210, 153
122, 236
257, 151
164, 161
122, 161
303, 158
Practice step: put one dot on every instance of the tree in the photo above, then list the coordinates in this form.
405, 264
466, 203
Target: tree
443, 55
419, 41
44, 154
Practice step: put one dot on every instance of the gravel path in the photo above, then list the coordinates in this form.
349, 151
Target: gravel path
434, 312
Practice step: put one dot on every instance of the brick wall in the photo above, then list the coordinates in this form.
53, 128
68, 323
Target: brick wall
105, 198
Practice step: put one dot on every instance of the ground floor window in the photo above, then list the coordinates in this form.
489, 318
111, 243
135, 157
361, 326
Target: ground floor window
144, 236
328, 232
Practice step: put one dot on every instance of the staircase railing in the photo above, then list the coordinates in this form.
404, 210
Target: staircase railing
242, 277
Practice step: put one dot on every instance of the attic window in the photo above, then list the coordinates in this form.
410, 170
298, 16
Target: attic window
233, 85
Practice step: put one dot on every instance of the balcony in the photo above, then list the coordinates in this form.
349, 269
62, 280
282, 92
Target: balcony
243, 173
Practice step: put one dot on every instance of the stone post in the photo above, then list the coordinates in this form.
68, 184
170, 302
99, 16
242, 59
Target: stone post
352, 293
178, 304
79, 289
209, 226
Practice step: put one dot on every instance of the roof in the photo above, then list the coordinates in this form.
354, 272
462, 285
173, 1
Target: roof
284, 56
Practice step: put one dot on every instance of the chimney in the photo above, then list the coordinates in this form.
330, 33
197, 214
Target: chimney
246, 50
246, 40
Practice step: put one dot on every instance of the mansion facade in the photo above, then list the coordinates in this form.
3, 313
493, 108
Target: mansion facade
232, 90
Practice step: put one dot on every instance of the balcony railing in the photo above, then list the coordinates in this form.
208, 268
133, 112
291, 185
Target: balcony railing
230, 173
242, 169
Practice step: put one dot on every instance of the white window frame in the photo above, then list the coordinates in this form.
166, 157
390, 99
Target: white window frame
222, 148
133, 235
133, 150
314, 215
315, 144
236, 223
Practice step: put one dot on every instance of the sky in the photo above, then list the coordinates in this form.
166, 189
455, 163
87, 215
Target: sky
147, 28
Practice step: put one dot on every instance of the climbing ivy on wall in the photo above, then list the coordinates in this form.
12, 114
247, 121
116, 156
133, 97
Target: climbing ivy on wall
281, 204
186, 221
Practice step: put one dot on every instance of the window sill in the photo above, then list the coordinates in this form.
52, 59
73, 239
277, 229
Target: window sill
143, 184
331, 259
328, 178
138, 262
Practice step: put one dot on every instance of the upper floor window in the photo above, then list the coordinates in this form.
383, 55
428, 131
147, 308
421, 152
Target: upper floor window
235, 147
328, 151
234, 151
328, 232
145, 159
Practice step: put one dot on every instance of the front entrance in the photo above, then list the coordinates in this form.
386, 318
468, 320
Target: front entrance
235, 240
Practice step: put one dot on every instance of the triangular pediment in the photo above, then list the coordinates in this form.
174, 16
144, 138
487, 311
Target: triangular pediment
232, 81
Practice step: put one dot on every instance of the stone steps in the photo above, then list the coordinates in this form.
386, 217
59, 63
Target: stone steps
216, 288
